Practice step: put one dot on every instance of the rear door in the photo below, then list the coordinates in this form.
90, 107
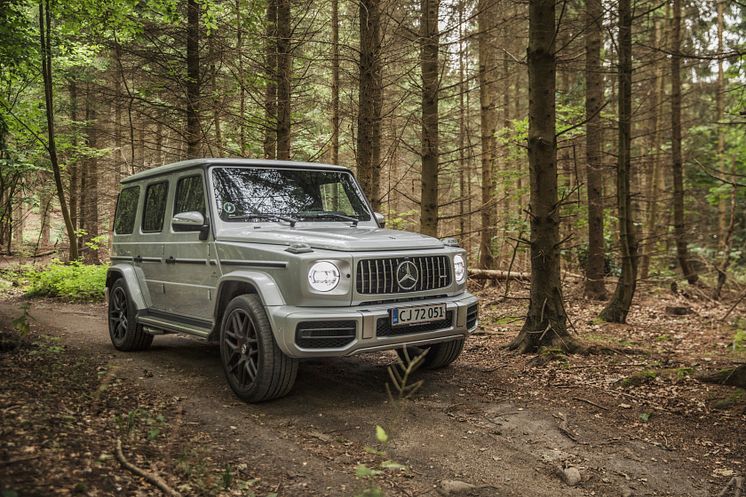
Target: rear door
150, 247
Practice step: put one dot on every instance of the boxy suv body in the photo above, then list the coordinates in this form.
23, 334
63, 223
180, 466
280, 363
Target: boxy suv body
278, 261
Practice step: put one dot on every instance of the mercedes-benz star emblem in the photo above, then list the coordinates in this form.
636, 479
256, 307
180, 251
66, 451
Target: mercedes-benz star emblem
407, 275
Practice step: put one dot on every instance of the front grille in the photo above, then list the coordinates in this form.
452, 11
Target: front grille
379, 276
472, 314
384, 329
324, 334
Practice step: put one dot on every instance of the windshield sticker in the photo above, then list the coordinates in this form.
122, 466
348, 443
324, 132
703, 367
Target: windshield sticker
229, 208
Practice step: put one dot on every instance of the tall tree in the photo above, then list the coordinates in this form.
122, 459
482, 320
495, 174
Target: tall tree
370, 101
618, 307
335, 82
45, 43
284, 70
682, 249
546, 322
429, 62
270, 91
194, 131
487, 18
594, 273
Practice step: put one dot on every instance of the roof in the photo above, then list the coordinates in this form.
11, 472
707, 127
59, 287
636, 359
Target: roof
189, 164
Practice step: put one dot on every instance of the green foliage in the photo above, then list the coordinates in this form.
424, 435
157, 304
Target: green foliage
75, 281
739, 341
21, 323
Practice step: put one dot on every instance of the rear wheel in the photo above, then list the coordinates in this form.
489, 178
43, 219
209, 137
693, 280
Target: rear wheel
125, 333
439, 355
255, 367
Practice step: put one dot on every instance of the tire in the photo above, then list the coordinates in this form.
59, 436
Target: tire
439, 355
254, 366
125, 333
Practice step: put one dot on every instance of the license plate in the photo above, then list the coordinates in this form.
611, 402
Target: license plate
401, 316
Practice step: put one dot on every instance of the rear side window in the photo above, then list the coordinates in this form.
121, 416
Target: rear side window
124, 219
190, 196
155, 207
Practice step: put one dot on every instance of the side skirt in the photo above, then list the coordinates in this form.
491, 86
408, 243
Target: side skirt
173, 323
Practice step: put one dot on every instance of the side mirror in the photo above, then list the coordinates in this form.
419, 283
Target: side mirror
380, 219
190, 221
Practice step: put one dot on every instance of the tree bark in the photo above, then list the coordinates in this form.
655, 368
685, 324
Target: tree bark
270, 92
682, 250
242, 89
284, 71
486, 19
546, 321
429, 61
45, 43
335, 82
194, 131
617, 309
370, 100
594, 283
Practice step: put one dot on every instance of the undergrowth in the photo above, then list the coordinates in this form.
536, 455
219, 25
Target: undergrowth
74, 281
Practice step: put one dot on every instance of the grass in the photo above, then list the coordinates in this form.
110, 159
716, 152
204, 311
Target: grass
75, 282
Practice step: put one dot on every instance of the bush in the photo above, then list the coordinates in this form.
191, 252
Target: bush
75, 281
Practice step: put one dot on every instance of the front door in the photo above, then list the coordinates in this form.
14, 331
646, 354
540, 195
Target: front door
192, 271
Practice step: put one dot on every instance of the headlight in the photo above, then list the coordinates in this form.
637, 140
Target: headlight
459, 269
323, 276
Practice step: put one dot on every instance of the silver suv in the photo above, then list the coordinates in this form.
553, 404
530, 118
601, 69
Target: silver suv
278, 261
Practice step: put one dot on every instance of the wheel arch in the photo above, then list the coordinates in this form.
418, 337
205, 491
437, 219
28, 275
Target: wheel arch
126, 273
239, 283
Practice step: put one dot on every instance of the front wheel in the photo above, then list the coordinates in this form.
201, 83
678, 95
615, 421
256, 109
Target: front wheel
255, 367
438, 355
125, 333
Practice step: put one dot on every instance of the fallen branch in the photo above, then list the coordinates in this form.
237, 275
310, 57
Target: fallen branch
737, 483
591, 403
149, 477
495, 274
734, 376
729, 310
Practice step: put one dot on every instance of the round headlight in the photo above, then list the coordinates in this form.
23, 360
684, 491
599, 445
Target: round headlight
459, 268
323, 276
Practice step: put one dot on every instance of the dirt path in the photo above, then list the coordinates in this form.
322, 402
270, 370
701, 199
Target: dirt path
462, 426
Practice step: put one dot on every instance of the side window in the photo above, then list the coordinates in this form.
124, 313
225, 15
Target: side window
190, 195
124, 219
155, 207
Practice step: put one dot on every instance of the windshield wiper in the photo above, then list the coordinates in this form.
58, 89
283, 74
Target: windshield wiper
269, 217
334, 215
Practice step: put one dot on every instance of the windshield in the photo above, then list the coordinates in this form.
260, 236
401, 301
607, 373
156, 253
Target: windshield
251, 193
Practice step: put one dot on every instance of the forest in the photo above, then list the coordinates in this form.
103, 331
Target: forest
589, 156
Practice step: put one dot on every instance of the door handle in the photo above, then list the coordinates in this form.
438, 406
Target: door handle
171, 260
137, 258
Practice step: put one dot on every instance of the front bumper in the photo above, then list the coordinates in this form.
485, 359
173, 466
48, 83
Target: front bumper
285, 321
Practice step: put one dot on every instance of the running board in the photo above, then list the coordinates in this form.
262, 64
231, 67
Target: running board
174, 324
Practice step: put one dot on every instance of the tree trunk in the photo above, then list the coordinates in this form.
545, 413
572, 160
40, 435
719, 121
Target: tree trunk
335, 82
486, 18
91, 165
370, 100
594, 272
654, 174
72, 165
284, 70
546, 322
242, 89
682, 250
617, 309
270, 92
194, 131
719, 109
461, 126
429, 61
18, 223
45, 42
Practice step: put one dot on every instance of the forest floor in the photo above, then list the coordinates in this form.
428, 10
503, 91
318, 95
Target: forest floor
633, 423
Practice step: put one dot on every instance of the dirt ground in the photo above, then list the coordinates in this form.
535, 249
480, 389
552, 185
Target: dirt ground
633, 423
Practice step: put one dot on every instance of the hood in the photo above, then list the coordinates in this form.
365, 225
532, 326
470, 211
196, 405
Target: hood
346, 238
